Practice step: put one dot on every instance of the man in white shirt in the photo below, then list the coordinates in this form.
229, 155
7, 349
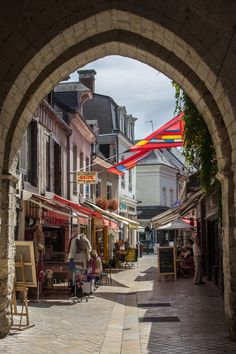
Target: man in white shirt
197, 254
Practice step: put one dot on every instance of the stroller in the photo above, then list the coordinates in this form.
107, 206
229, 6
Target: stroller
80, 289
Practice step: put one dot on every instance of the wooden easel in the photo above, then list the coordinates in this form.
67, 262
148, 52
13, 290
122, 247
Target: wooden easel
24, 308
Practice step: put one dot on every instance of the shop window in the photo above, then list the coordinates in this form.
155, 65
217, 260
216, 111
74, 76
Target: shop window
54, 245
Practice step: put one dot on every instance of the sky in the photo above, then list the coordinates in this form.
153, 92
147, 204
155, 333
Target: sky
146, 93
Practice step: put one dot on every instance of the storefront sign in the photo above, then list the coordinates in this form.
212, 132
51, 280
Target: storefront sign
86, 177
123, 207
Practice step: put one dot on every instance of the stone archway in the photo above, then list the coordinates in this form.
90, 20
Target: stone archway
171, 37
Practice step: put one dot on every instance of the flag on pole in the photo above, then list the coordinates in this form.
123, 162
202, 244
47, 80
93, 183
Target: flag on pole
169, 135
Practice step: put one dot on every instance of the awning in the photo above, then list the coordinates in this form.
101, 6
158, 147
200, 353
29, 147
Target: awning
55, 203
131, 223
114, 225
108, 214
165, 217
176, 225
80, 210
107, 220
189, 203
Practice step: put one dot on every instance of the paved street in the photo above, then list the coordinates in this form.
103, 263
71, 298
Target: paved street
111, 322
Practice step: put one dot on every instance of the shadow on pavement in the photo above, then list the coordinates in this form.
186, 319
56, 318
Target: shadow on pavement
150, 274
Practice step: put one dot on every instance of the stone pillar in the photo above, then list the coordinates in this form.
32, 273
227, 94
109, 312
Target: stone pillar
229, 249
7, 249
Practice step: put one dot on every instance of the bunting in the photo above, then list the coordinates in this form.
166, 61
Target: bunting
169, 135
125, 165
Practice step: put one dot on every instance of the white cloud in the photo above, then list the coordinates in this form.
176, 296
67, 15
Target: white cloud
146, 93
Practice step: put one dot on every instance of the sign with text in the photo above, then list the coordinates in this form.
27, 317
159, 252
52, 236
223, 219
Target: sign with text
166, 261
87, 177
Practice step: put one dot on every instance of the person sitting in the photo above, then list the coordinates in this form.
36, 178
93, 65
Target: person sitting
186, 252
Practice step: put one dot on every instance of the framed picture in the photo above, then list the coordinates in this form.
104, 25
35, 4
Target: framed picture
25, 252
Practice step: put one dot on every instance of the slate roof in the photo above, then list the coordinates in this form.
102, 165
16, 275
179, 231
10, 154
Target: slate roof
100, 108
154, 158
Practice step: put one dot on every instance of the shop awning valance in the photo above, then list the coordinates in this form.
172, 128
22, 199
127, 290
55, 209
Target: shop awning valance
176, 225
131, 223
54, 203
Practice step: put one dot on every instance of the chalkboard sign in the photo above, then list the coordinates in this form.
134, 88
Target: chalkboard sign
166, 261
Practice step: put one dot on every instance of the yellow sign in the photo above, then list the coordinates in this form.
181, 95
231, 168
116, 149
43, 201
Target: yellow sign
87, 177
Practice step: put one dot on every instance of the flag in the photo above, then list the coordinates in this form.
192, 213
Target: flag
169, 135
128, 163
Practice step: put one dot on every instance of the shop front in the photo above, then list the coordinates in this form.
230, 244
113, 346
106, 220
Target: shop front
48, 224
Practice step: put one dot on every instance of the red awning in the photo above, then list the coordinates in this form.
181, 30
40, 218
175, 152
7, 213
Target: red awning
106, 222
75, 206
113, 225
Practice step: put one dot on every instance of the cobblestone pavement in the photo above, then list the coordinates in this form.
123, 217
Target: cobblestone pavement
111, 322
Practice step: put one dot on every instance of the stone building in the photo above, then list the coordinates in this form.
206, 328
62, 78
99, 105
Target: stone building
191, 42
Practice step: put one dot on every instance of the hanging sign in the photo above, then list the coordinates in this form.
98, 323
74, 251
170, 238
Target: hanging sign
87, 177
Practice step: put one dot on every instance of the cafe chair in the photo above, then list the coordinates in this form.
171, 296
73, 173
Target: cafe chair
187, 267
130, 258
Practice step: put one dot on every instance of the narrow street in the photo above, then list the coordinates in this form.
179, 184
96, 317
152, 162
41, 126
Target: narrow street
115, 320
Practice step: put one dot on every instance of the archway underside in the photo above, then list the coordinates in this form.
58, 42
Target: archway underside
170, 46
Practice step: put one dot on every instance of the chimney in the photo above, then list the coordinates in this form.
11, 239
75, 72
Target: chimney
87, 78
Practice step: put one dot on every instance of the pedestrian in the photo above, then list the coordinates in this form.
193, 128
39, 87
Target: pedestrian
197, 254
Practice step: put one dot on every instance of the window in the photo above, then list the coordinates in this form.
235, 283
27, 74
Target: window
23, 156
57, 168
105, 150
48, 164
98, 189
171, 197
32, 161
81, 168
109, 191
74, 168
87, 186
130, 181
164, 196
122, 177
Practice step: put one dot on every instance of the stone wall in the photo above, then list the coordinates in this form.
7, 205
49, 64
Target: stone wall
193, 42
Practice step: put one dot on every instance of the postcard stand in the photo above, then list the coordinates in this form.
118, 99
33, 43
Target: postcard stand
22, 288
